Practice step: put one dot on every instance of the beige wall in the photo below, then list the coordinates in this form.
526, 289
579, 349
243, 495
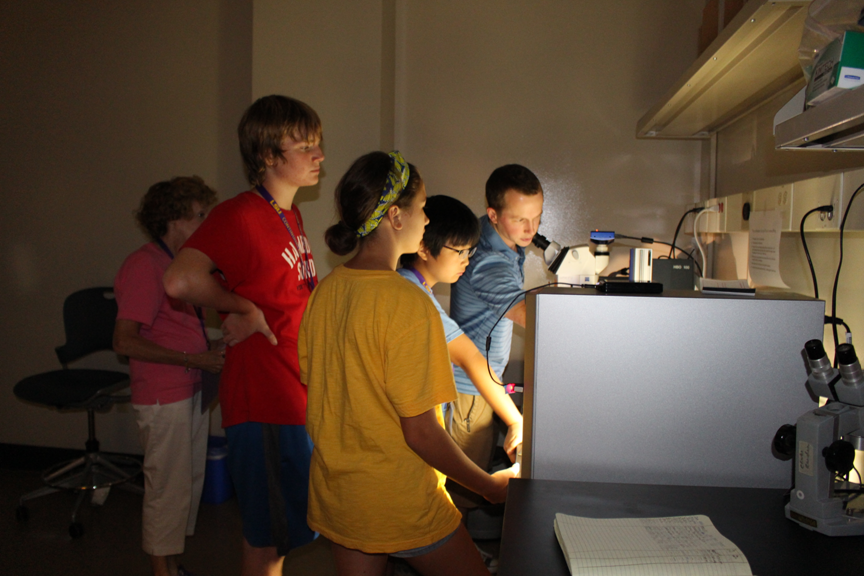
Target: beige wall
482, 84
111, 98
100, 100
328, 54
747, 160
557, 86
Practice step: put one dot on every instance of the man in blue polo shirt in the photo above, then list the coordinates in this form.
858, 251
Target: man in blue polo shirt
492, 280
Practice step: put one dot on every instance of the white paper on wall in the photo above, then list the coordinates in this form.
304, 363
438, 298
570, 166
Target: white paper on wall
764, 254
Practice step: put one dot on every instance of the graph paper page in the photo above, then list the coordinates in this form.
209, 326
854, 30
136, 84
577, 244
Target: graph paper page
678, 545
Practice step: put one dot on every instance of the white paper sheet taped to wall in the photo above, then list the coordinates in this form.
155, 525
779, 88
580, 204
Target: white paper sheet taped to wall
764, 253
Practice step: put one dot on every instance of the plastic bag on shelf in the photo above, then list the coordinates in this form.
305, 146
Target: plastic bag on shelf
826, 21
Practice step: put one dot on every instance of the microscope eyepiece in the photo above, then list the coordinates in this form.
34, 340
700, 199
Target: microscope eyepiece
846, 354
851, 371
820, 367
814, 349
540, 241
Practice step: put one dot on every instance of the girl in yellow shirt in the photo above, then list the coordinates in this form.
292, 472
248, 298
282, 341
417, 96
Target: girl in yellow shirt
374, 357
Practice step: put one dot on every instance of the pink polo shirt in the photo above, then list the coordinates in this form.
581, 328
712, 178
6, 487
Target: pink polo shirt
169, 322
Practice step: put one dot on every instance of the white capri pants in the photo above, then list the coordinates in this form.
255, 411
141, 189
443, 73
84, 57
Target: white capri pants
174, 437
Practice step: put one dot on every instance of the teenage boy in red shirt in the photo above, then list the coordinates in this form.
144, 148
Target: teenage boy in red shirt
256, 243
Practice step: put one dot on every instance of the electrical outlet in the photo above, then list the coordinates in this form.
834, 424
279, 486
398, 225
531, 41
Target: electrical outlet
715, 219
731, 213
808, 194
775, 198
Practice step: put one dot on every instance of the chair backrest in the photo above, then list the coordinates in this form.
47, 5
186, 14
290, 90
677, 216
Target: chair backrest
88, 317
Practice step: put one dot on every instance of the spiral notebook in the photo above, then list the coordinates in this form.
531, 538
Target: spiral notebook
673, 546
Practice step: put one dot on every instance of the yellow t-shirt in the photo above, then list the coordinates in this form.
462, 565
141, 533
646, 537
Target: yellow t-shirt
372, 349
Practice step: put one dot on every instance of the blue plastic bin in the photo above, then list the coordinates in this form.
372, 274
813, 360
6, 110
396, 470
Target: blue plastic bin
217, 481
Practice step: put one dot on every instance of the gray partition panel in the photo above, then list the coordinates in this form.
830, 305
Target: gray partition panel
677, 388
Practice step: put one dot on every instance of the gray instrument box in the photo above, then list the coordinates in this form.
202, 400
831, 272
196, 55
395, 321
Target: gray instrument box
675, 274
673, 388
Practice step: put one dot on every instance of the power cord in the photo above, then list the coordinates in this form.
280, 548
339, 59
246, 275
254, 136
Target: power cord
678, 229
839, 264
696, 262
501, 317
826, 208
835, 321
645, 240
696, 232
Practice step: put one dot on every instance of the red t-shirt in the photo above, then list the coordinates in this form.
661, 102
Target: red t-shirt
259, 260
166, 321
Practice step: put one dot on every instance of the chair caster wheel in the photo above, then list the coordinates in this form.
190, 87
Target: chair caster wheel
22, 513
76, 530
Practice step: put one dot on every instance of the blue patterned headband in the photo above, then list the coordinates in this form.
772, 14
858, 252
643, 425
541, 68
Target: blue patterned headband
397, 180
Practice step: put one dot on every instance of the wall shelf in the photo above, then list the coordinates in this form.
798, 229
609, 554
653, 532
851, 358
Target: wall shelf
753, 58
837, 124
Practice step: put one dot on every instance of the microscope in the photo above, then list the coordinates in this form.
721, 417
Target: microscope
576, 264
823, 444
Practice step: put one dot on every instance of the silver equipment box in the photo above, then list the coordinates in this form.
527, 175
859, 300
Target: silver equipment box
674, 388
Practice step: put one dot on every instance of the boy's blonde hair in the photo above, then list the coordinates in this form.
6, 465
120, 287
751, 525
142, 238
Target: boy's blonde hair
264, 126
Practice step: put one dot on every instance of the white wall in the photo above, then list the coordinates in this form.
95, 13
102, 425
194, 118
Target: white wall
99, 101
111, 97
558, 87
747, 160
328, 54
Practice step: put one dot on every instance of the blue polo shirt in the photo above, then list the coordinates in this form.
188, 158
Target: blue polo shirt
451, 329
494, 277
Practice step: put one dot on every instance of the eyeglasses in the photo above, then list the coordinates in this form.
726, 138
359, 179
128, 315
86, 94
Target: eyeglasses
465, 253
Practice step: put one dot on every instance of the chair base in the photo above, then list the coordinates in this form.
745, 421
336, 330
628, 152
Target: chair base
91, 471
94, 472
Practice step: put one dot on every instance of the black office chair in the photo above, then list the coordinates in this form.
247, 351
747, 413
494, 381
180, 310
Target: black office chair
88, 318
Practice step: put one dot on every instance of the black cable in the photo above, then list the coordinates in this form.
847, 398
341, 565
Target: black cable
839, 264
678, 229
826, 208
646, 240
845, 478
698, 267
501, 317
833, 320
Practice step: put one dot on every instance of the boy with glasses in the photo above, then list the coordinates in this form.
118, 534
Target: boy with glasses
450, 239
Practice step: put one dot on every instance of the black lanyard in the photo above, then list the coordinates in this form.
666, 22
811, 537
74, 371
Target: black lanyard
307, 266
197, 309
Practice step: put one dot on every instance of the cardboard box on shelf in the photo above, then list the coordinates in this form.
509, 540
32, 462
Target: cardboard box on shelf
840, 67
